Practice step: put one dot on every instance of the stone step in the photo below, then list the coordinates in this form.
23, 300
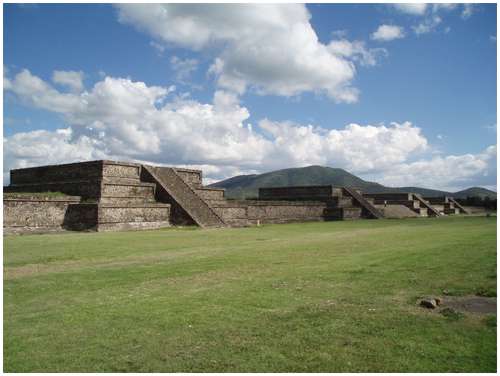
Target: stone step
218, 203
460, 207
431, 211
174, 188
147, 190
120, 180
126, 200
369, 210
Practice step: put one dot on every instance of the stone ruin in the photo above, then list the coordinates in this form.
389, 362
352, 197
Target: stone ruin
107, 196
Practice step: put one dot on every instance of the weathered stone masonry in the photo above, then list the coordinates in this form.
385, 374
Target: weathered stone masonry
108, 195
105, 195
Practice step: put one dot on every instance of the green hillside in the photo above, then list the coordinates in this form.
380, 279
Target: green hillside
475, 192
247, 186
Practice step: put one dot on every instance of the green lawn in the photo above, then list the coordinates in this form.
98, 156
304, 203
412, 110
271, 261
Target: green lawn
323, 297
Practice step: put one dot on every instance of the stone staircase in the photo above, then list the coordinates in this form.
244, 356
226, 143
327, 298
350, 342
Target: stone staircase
411, 200
431, 211
342, 208
370, 210
188, 195
342, 203
459, 206
446, 205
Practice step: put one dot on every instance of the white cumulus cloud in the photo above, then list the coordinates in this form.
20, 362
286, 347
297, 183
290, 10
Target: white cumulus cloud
356, 51
271, 49
451, 173
416, 9
387, 33
71, 79
126, 120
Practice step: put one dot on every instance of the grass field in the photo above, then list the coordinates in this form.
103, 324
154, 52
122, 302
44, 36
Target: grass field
329, 297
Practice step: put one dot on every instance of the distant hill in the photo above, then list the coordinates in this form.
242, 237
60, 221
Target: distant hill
475, 192
247, 186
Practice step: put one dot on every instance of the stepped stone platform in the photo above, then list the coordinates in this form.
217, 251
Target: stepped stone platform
446, 205
341, 202
109, 195
106, 196
412, 201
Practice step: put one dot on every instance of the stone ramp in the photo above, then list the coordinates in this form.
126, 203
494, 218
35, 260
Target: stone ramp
423, 203
363, 202
185, 196
459, 206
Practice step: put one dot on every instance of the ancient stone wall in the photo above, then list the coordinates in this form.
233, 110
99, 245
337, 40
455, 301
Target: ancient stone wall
84, 188
390, 196
86, 179
145, 190
191, 177
250, 212
121, 170
115, 217
36, 214
210, 193
57, 173
318, 192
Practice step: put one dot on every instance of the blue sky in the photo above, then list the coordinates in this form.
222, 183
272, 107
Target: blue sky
403, 95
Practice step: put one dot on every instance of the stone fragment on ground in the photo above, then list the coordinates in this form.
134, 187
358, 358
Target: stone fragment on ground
430, 302
462, 304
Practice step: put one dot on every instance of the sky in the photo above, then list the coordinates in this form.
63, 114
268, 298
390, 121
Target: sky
400, 94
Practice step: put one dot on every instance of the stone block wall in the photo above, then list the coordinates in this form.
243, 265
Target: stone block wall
211, 193
121, 170
111, 197
251, 212
145, 191
57, 173
86, 179
191, 177
34, 215
119, 217
318, 192
390, 196
25, 214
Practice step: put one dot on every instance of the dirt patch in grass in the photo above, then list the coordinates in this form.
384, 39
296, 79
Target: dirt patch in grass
471, 304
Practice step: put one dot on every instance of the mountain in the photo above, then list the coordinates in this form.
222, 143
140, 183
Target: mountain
247, 186
475, 192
